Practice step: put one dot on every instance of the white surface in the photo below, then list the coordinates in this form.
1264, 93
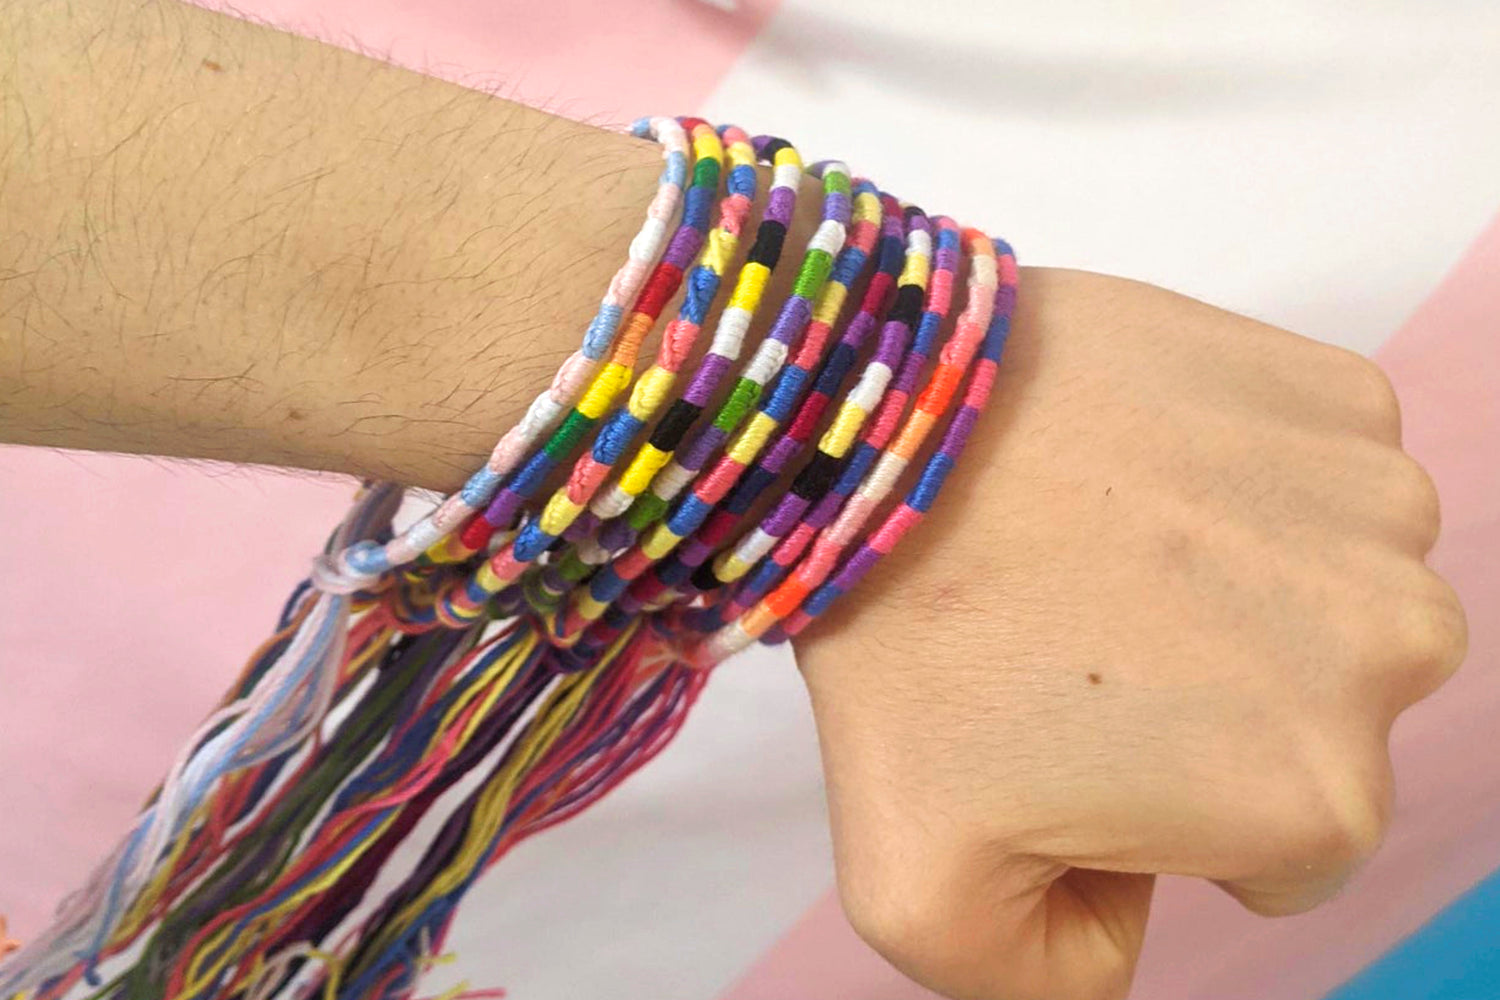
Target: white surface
1317, 165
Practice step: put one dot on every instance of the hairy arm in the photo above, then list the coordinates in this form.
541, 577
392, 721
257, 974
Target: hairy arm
221, 241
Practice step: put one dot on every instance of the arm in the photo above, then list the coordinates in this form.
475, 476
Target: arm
222, 241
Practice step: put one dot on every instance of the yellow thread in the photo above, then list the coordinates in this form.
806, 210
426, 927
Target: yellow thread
488, 580
602, 391
544, 729
750, 286
867, 207
915, 271
786, 155
720, 250
487, 687
448, 549
647, 463
335, 972
706, 145
140, 911
491, 684
198, 978
741, 153
729, 567
830, 303
639, 466
374, 650
588, 606
751, 439
650, 391
659, 541
840, 434
558, 514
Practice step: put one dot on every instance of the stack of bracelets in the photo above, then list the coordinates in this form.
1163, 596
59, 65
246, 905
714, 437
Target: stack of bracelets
552, 648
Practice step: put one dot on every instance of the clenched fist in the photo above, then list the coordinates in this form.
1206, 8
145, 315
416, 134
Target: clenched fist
1162, 622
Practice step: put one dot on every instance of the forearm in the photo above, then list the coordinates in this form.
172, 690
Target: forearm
221, 241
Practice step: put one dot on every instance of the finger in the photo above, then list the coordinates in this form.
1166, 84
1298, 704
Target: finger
1426, 635
1374, 491
1322, 385
1362, 392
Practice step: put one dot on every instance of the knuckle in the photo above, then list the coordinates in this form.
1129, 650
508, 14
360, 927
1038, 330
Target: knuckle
1414, 494
1345, 838
1353, 823
1339, 822
1370, 393
895, 923
1434, 629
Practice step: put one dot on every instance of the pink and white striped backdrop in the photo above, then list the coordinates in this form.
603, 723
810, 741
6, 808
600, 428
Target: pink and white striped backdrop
1333, 168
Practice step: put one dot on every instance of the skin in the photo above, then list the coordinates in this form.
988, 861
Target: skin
1162, 621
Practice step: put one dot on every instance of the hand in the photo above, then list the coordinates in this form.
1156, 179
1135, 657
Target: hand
1161, 621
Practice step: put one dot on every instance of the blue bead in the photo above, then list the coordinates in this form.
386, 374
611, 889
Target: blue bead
615, 436
673, 571
676, 170
820, 600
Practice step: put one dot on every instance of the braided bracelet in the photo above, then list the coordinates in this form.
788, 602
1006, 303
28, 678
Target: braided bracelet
781, 537
545, 649
667, 531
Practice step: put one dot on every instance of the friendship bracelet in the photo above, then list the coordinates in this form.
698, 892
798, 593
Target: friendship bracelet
573, 564
728, 339
778, 406
866, 219
817, 264
653, 388
615, 375
556, 638
786, 530
891, 355
460, 604
823, 556
547, 408
466, 601
919, 501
